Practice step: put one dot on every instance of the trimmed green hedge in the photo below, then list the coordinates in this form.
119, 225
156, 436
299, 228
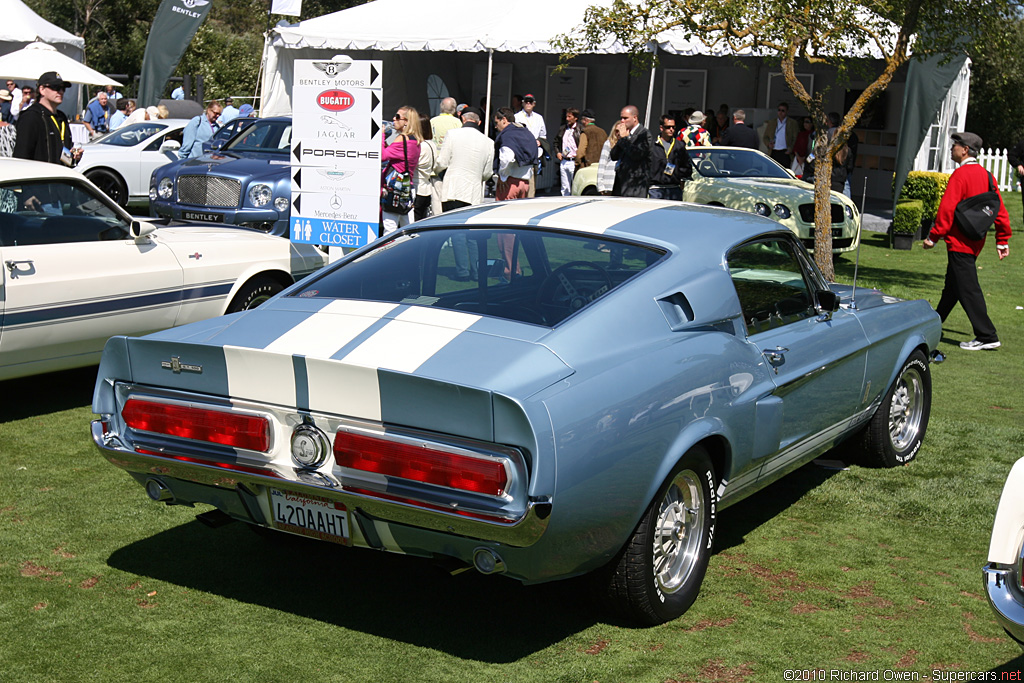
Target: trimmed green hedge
928, 186
906, 219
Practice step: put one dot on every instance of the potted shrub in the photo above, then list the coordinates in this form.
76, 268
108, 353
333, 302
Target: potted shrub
928, 186
906, 223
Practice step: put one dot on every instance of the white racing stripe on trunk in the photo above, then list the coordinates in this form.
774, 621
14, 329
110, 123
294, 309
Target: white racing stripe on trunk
331, 328
410, 339
343, 389
259, 375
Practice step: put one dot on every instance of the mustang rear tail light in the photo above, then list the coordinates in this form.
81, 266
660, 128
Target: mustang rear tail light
202, 424
420, 462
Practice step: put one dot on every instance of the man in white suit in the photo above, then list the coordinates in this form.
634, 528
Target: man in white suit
467, 159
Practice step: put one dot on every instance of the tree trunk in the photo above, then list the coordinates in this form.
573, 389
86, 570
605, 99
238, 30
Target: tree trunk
823, 204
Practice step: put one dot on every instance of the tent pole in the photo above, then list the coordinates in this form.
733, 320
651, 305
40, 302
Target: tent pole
259, 75
487, 102
650, 88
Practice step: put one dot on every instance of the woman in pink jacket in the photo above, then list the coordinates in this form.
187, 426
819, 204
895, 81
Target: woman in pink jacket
403, 154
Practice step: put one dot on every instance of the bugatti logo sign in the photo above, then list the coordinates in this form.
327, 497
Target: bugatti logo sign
335, 100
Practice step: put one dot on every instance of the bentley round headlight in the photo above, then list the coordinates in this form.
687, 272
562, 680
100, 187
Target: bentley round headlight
260, 194
762, 209
848, 210
281, 203
165, 188
782, 211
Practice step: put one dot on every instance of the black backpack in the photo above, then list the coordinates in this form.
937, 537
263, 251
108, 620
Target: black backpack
975, 215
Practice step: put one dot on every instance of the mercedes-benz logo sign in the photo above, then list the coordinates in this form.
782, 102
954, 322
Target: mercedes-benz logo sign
309, 445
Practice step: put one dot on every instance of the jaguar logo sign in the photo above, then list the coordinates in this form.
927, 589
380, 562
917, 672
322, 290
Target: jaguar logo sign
335, 100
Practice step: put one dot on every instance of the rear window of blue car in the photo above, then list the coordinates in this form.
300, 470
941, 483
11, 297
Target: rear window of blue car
533, 276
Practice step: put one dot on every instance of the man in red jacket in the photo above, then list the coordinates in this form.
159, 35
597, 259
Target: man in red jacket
962, 253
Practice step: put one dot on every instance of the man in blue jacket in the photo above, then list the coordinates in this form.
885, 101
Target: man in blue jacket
199, 130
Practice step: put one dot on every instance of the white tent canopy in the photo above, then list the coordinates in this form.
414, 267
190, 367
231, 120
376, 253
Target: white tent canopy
30, 62
525, 27
21, 26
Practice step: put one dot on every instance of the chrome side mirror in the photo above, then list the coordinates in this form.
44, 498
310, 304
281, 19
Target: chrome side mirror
828, 303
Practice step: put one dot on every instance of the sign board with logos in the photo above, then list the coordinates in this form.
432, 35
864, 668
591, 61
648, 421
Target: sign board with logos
336, 150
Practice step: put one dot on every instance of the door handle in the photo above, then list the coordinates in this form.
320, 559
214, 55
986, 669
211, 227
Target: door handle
12, 267
776, 356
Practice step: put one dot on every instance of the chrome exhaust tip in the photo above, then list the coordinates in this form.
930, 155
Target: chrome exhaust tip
487, 561
158, 491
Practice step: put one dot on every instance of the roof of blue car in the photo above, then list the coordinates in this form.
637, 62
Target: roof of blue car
672, 223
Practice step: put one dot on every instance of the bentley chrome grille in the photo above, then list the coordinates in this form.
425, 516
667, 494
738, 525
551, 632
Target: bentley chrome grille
206, 190
807, 213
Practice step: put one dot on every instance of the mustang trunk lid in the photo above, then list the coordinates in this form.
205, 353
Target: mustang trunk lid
397, 364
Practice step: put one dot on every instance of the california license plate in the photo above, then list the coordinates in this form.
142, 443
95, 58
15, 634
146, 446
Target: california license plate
201, 216
309, 515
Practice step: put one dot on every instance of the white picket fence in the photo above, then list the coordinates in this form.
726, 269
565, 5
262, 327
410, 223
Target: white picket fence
995, 161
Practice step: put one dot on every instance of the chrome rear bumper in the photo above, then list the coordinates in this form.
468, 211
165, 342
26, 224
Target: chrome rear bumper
252, 482
1003, 588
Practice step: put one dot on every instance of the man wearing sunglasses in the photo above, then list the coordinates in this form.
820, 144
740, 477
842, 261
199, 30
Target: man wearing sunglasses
44, 133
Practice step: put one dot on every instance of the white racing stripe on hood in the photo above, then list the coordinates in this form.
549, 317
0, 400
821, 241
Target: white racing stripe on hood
331, 328
410, 339
259, 375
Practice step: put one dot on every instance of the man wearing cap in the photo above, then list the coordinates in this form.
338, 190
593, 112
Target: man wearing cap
592, 139
44, 133
695, 135
229, 113
534, 122
961, 285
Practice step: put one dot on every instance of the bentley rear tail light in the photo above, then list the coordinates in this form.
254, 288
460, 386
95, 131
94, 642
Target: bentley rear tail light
250, 432
421, 462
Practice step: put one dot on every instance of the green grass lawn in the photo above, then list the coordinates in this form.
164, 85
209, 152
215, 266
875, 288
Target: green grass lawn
857, 570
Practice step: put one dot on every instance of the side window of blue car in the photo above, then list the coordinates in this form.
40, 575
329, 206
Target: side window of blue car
770, 284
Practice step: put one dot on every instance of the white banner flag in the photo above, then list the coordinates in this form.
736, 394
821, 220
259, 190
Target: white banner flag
292, 8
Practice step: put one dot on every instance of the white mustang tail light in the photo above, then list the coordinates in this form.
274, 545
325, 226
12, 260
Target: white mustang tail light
421, 462
249, 432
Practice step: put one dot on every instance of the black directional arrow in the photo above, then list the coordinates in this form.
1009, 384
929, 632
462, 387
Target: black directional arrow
296, 204
297, 152
374, 128
373, 74
375, 101
298, 179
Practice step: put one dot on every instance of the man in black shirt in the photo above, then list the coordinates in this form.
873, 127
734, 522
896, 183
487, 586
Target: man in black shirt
739, 134
670, 163
44, 133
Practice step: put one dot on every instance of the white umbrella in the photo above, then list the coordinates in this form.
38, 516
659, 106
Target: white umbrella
35, 59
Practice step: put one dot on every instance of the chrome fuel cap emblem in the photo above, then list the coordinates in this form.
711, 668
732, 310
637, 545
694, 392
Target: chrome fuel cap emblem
309, 446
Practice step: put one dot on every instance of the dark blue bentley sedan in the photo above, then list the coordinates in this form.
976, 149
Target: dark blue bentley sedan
246, 182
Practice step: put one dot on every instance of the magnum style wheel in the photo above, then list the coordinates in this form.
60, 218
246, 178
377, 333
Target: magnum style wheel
894, 434
658, 574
